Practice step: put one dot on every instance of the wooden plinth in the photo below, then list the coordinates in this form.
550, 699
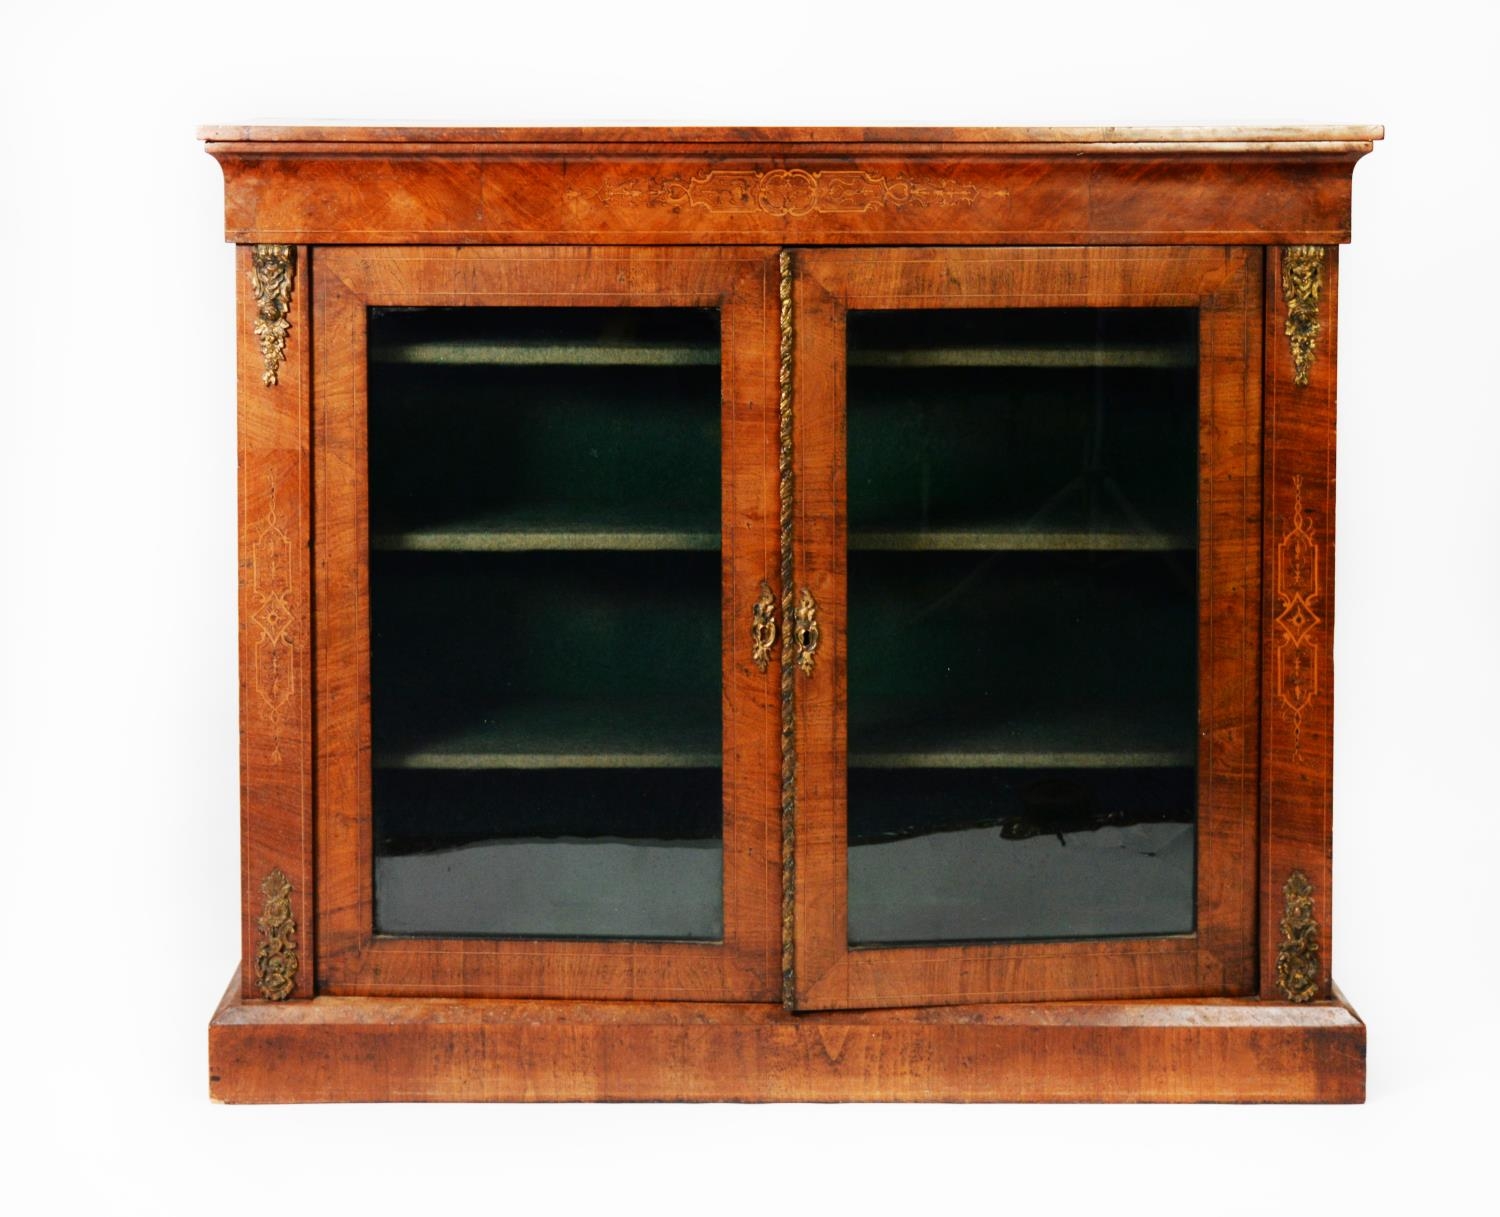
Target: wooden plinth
379, 1049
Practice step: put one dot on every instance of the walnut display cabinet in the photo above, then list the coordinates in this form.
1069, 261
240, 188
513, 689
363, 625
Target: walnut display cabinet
786, 614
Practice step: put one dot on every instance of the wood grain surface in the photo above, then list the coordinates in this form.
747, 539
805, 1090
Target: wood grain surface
275, 527
374, 1049
971, 186
1311, 136
1297, 656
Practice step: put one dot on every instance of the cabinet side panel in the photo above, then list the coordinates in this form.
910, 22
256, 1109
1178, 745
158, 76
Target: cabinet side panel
1297, 656
275, 623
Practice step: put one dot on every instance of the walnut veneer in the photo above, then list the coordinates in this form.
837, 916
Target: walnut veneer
785, 231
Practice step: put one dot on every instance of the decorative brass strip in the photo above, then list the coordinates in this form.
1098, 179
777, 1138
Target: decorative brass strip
763, 626
788, 675
1301, 281
271, 280
1297, 590
1297, 960
276, 961
806, 630
786, 192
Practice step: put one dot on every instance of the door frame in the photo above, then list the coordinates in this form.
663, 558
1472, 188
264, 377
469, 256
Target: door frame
352, 959
1219, 957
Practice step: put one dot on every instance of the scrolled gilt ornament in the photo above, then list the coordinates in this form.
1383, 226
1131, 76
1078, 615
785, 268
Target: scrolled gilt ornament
763, 627
807, 632
1301, 283
276, 961
1297, 959
271, 280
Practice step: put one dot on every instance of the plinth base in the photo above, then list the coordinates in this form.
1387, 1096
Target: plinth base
383, 1049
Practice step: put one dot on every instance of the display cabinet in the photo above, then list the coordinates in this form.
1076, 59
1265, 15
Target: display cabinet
770, 614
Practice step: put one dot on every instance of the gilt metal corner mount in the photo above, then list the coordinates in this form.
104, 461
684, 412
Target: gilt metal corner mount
1297, 959
271, 269
1301, 284
276, 961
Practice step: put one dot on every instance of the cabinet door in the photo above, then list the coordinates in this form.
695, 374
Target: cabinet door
545, 511
1027, 554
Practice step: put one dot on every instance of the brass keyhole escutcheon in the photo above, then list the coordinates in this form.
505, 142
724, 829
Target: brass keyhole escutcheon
763, 627
805, 631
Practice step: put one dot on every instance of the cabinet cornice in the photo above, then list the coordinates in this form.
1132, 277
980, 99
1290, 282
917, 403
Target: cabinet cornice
968, 186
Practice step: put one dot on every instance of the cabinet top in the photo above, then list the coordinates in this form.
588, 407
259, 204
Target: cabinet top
340, 185
1334, 138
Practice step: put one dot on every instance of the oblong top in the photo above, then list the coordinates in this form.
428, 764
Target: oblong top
335, 133
347, 185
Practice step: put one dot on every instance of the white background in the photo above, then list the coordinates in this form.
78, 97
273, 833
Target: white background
118, 788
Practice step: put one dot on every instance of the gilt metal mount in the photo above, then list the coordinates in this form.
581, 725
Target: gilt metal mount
276, 961
1301, 284
1297, 960
271, 269
763, 627
805, 631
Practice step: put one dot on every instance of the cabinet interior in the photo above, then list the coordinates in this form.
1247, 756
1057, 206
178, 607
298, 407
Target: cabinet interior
1022, 489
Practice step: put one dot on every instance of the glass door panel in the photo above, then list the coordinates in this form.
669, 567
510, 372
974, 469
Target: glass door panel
544, 592
1022, 623
546, 507
1034, 556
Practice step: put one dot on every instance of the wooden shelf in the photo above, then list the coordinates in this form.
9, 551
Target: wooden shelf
469, 352
901, 735
512, 532
1050, 355
516, 353
1000, 539
660, 736
568, 735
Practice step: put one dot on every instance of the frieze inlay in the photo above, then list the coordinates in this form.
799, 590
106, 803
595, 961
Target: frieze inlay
273, 618
786, 192
1301, 283
1297, 957
271, 280
1298, 591
276, 960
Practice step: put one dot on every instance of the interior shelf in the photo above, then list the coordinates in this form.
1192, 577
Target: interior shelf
509, 352
503, 532
665, 735
652, 734
998, 539
900, 734
515, 531
1048, 355
520, 353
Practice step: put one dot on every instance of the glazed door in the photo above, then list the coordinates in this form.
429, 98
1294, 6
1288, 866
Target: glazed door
1027, 559
546, 510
